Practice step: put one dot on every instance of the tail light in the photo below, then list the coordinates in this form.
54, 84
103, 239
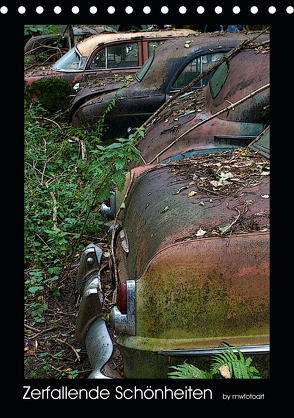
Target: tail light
122, 298
122, 316
108, 209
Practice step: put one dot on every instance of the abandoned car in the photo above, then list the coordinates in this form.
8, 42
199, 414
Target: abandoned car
103, 54
191, 239
199, 121
171, 68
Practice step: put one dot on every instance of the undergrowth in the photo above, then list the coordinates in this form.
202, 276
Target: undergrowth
226, 365
68, 173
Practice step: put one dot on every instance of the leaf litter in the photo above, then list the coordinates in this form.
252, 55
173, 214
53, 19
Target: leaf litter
213, 177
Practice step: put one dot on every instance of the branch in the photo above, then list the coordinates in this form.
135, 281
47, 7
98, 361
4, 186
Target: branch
229, 55
69, 345
232, 106
43, 117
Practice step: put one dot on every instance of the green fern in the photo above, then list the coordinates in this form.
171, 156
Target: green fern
239, 367
188, 371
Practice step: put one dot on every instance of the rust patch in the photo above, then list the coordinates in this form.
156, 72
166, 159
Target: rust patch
159, 211
203, 289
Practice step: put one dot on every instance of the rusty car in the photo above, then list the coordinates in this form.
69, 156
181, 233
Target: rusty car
209, 120
191, 238
171, 68
105, 53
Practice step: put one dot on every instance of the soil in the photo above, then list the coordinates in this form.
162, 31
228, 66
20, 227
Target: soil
50, 348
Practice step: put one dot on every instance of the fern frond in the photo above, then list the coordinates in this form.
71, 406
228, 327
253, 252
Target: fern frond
239, 368
188, 371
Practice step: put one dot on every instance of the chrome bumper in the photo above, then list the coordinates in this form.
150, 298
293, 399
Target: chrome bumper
99, 348
91, 328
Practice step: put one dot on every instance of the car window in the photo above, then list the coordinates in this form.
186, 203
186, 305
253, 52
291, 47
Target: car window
69, 61
123, 55
152, 45
218, 79
99, 61
195, 68
141, 73
117, 56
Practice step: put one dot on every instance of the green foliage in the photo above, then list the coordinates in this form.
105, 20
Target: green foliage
188, 371
239, 368
63, 190
52, 93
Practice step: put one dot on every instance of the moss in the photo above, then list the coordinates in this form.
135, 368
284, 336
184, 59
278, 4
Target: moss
52, 93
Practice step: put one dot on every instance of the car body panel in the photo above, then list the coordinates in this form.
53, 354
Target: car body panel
150, 228
221, 131
89, 47
192, 293
144, 97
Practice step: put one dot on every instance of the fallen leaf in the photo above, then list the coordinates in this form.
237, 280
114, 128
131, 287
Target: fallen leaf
215, 183
225, 176
192, 193
202, 203
124, 240
265, 196
165, 209
187, 46
200, 232
225, 372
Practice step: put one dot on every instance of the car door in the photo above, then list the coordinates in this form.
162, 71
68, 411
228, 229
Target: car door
196, 66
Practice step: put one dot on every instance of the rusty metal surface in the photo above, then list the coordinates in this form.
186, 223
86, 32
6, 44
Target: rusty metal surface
157, 216
204, 289
86, 46
222, 131
141, 99
194, 290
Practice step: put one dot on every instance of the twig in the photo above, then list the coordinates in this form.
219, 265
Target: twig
234, 221
73, 349
43, 117
229, 55
31, 328
41, 332
211, 117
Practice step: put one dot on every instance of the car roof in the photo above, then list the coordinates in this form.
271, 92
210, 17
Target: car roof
86, 46
175, 53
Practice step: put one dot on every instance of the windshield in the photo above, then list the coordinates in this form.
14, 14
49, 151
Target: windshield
140, 74
69, 62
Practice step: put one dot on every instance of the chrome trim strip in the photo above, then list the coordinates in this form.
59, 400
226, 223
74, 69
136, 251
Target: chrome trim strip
246, 349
